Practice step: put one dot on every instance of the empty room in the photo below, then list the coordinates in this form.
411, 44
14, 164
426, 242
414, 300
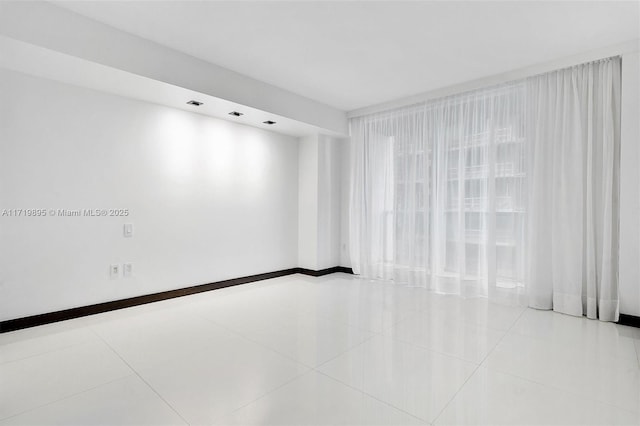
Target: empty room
319, 212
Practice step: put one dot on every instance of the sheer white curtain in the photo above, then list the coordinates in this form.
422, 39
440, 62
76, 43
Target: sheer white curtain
438, 193
478, 193
389, 226
574, 136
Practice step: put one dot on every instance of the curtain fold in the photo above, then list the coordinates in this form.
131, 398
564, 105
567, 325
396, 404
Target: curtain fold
479, 193
574, 141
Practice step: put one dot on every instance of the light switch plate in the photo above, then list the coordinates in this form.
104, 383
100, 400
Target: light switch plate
128, 230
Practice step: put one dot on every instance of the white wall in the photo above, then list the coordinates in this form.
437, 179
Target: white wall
630, 186
209, 199
319, 195
308, 202
329, 201
345, 199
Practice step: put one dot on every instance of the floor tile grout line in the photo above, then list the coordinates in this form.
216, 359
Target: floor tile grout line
561, 389
428, 349
372, 396
4, 419
227, 328
207, 341
554, 342
398, 341
311, 369
45, 353
62, 348
98, 340
431, 349
384, 335
135, 372
249, 339
373, 335
555, 387
291, 380
506, 332
558, 388
510, 330
435, 419
238, 335
354, 347
468, 323
348, 324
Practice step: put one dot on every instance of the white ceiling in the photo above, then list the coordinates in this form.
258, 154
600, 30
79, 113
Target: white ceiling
356, 54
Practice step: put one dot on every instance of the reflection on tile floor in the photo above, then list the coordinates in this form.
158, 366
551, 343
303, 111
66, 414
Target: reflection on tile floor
330, 350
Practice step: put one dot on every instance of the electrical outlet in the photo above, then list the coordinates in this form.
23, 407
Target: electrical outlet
114, 272
127, 270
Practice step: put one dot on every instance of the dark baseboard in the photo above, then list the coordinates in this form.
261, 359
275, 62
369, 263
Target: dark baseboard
327, 271
345, 270
630, 320
83, 311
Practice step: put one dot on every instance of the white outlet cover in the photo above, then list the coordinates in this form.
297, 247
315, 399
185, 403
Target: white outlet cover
114, 272
127, 270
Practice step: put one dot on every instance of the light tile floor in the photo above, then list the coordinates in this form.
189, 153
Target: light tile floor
333, 350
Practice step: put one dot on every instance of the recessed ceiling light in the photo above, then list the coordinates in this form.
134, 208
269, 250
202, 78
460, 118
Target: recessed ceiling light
269, 122
195, 103
236, 113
